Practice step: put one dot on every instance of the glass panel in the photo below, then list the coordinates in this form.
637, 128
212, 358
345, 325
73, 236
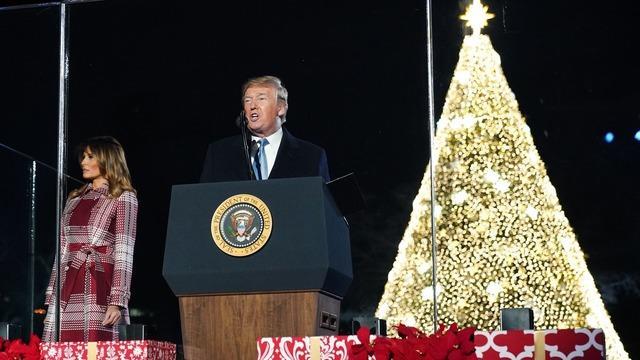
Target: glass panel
28, 153
15, 243
29, 88
28, 225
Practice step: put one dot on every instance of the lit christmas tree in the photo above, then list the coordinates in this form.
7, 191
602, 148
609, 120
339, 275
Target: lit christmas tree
502, 238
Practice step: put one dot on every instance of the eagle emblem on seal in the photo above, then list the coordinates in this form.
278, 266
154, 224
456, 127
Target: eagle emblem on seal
242, 222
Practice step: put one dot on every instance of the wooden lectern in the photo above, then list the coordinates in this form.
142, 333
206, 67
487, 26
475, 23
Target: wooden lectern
291, 286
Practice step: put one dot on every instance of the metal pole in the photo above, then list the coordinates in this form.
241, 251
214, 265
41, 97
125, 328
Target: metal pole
432, 159
63, 82
32, 243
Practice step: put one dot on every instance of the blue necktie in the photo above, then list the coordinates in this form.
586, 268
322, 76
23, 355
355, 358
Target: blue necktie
260, 165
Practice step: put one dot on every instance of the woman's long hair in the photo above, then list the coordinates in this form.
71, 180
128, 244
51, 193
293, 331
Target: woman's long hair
111, 161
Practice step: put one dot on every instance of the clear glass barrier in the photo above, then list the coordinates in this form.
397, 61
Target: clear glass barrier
28, 245
28, 155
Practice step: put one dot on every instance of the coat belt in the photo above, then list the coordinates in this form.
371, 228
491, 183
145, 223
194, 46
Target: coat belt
86, 255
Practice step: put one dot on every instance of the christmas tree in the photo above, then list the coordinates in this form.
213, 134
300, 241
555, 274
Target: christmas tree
502, 238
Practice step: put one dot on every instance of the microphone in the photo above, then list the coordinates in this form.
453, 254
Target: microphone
241, 120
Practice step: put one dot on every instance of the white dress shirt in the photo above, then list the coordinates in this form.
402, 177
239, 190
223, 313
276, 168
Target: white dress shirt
271, 149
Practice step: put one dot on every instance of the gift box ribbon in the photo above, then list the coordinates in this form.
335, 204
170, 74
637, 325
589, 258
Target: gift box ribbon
314, 348
538, 350
92, 351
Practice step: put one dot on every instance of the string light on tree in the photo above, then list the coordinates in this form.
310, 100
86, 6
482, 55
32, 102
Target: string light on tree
503, 240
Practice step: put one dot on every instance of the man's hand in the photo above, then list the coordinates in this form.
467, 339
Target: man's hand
112, 315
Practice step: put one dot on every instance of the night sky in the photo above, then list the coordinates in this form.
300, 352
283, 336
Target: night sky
164, 78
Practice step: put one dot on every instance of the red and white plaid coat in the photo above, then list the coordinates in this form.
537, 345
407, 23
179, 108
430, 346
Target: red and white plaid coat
97, 260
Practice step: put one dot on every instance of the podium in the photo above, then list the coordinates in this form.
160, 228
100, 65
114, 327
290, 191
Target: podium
236, 282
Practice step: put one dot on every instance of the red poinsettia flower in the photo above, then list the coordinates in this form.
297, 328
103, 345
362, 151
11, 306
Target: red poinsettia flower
380, 348
408, 331
465, 340
33, 352
364, 349
17, 350
413, 344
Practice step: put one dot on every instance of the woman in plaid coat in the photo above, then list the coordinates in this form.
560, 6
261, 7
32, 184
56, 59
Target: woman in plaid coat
97, 235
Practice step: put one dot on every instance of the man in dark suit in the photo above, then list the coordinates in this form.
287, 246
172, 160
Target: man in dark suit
275, 152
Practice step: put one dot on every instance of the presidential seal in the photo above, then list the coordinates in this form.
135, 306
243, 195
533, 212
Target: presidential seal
241, 225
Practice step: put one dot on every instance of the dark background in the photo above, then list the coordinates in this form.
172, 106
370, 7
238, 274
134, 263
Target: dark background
164, 78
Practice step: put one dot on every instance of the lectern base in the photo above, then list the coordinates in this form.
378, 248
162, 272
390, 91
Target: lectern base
228, 326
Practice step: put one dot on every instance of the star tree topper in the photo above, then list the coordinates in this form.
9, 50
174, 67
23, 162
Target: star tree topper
477, 16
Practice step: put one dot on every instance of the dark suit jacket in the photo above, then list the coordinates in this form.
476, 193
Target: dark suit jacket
225, 160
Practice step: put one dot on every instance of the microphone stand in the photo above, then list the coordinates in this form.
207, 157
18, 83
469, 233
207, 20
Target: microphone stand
245, 143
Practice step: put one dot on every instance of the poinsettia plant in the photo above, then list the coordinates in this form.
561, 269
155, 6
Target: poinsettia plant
413, 344
18, 350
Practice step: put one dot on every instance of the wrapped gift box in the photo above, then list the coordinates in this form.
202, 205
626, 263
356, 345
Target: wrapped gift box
574, 344
108, 350
585, 344
307, 348
505, 344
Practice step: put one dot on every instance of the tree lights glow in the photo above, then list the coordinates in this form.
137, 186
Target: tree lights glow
502, 238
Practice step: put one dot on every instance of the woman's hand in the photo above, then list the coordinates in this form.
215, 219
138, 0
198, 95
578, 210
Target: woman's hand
112, 316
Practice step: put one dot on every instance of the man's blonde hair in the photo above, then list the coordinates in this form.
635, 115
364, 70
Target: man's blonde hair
271, 81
